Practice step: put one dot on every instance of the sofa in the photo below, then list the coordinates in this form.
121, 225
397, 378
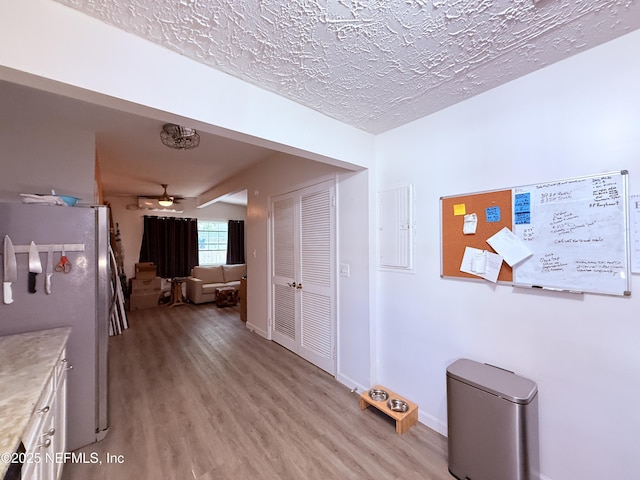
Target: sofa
203, 282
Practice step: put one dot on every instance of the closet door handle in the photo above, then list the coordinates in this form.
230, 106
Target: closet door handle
299, 287
294, 285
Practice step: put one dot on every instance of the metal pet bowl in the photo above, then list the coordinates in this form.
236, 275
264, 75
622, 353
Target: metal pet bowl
397, 405
378, 394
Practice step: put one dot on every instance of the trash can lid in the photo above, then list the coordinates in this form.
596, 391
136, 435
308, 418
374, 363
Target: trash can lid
494, 380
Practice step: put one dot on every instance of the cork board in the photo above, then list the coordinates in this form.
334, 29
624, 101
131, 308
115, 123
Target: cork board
494, 211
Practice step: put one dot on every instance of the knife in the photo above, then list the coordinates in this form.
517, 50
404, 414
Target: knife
35, 267
48, 271
10, 270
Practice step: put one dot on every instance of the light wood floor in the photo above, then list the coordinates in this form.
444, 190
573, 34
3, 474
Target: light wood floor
195, 395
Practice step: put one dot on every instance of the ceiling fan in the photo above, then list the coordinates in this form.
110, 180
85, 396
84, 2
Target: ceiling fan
165, 200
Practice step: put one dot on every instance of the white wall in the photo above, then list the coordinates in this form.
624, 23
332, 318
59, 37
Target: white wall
29, 156
355, 334
131, 222
577, 117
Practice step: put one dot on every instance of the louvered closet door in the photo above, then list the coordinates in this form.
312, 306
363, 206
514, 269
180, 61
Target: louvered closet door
303, 280
317, 332
284, 257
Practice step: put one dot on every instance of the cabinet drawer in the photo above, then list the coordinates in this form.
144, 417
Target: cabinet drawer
42, 413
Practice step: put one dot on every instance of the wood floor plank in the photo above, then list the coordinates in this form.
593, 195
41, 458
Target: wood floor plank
194, 395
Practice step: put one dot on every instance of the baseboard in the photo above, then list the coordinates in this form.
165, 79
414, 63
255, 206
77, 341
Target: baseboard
433, 423
257, 330
352, 384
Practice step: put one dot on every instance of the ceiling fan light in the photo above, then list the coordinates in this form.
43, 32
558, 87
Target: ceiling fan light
178, 137
165, 200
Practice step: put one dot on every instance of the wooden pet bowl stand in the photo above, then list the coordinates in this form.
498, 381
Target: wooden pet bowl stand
404, 420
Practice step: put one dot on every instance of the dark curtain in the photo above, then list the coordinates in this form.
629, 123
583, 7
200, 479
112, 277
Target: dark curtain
235, 242
171, 243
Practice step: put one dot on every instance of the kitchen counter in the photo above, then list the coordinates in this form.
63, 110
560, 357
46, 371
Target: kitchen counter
27, 361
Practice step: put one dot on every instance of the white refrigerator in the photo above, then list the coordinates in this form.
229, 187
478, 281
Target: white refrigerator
80, 299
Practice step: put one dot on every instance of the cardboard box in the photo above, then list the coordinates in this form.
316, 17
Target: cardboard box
146, 270
145, 285
142, 301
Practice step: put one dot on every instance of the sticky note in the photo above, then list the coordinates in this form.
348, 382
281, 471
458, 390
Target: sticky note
522, 208
523, 218
522, 203
493, 214
459, 209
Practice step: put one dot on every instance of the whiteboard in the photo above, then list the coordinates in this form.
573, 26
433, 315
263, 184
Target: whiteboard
634, 232
578, 231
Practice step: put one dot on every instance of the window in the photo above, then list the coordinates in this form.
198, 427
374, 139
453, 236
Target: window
212, 242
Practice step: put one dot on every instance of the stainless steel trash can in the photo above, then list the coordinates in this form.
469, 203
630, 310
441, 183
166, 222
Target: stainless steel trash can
493, 423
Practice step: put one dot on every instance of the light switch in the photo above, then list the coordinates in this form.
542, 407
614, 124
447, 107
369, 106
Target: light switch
344, 269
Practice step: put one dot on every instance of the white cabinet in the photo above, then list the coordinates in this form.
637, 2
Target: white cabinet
45, 438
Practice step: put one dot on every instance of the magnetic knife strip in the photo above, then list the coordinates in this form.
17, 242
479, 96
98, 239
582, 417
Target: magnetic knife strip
57, 247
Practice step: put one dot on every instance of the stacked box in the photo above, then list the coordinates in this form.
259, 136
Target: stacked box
145, 270
142, 301
145, 287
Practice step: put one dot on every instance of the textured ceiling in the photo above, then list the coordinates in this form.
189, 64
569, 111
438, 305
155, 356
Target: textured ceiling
373, 64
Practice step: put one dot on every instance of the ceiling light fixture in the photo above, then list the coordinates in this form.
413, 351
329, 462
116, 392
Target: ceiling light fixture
180, 138
165, 200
